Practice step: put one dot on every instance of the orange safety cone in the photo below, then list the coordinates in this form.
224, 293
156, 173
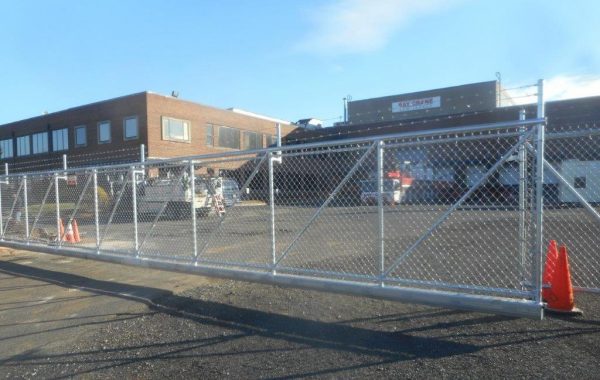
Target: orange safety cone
76, 237
69, 237
560, 296
549, 269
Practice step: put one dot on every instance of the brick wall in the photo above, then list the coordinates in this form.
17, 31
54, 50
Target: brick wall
113, 110
199, 116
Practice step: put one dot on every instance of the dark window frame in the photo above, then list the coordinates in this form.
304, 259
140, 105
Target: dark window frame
99, 128
235, 137
77, 128
210, 135
252, 140
34, 143
9, 143
137, 128
19, 139
64, 132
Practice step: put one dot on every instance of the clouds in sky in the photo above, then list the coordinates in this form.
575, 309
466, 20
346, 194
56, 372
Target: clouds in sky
571, 86
360, 26
559, 87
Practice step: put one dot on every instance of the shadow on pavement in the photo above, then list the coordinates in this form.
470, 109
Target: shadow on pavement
382, 347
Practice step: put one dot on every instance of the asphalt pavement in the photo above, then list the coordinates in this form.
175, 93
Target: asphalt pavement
62, 317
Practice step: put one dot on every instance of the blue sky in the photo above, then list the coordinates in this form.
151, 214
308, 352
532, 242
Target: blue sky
289, 58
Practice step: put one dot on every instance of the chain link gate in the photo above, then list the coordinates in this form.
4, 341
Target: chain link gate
572, 197
448, 217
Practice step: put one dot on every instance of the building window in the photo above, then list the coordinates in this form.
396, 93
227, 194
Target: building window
229, 137
60, 139
40, 142
580, 183
104, 132
6, 148
271, 140
23, 146
252, 140
80, 136
210, 130
175, 129
130, 128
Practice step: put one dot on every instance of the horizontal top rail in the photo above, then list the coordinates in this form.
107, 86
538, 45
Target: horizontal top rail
358, 140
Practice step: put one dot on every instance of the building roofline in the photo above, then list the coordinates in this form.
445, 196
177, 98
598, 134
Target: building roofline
425, 91
259, 116
75, 108
231, 109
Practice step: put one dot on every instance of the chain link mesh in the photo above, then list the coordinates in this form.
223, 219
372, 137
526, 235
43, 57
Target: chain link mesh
574, 153
445, 211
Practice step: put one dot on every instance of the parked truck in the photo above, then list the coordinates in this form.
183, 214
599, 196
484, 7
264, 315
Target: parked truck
395, 186
584, 177
212, 195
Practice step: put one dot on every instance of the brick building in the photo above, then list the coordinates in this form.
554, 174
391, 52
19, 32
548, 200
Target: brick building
112, 131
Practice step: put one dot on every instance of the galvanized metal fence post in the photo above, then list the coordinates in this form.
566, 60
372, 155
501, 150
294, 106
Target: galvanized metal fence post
142, 153
523, 205
193, 208
272, 208
134, 210
57, 200
380, 210
26, 205
538, 257
96, 211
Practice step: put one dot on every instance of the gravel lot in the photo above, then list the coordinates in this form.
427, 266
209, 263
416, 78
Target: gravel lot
63, 317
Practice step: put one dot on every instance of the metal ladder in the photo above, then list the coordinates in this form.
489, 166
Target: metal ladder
217, 199
218, 204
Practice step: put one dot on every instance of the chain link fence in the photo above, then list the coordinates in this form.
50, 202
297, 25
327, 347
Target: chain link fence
436, 212
572, 199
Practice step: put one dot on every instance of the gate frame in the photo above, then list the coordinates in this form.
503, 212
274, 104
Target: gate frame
382, 288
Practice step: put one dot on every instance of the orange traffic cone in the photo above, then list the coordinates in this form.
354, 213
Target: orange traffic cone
69, 237
76, 231
549, 269
560, 296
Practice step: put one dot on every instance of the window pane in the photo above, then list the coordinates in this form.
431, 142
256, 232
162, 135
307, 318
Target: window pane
60, 139
252, 140
271, 140
104, 132
229, 137
80, 136
7, 148
40, 142
131, 128
209, 135
175, 129
23, 146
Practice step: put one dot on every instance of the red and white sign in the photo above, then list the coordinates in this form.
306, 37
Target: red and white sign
416, 104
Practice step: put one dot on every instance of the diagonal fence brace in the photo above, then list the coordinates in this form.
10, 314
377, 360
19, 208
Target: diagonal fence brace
327, 201
458, 203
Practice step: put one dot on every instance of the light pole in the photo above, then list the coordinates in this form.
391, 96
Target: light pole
347, 99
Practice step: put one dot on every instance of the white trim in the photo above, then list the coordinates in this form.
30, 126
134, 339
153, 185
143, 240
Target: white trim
259, 116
